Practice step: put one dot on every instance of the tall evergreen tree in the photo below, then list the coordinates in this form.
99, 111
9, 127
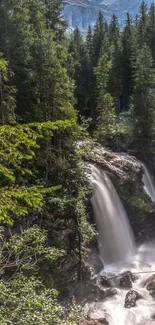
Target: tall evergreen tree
89, 42
98, 37
54, 17
105, 114
115, 81
127, 45
38, 63
82, 73
151, 29
144, 99
142, 24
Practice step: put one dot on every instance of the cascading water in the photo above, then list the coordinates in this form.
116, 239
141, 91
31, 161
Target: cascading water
115, 238
116, 245
149, 183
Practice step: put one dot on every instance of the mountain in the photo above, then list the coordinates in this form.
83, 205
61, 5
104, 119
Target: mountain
81, 13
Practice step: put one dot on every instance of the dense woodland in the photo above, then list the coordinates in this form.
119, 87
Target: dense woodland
56, 89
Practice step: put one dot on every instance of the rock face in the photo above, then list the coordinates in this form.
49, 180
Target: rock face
131, 298
92, 291
126, 173
82, 13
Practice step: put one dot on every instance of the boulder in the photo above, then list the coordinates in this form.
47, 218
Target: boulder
131, 297
151, 283
126, 280
105, 282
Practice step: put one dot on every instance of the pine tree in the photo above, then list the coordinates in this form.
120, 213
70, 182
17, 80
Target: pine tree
54, 18
142, 24
82, 73
151, 30
144, 99
44, 90
105, 113
89, 42
115, 81
98, 37
127, 45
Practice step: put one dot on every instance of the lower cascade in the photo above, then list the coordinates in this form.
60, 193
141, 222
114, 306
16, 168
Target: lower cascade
134, 305
149, 183
115, 238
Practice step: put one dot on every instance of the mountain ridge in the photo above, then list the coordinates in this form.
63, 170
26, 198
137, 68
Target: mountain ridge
81, 13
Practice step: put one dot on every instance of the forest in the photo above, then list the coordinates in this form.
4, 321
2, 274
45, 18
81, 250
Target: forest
59, 88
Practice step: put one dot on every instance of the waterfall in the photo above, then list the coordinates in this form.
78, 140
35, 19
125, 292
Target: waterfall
115, 238
149, 184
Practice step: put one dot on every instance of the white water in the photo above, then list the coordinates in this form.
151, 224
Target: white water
116, 247
149, 184
115, 238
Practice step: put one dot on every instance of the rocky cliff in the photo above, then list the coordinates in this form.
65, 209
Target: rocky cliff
81, 13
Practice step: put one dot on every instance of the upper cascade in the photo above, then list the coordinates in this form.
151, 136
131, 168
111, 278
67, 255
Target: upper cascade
115, 238
81, 13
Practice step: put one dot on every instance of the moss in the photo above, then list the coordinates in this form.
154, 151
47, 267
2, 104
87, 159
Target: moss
140, 203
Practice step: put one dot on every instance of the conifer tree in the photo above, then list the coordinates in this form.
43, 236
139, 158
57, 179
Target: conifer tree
127, 45
89, 42
142, 24
151, 29
115, 81
98, 37
44, 90
82, 73
105, 113
144, 99
54, 17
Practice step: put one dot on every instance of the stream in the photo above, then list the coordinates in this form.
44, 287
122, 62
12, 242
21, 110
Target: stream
119, 253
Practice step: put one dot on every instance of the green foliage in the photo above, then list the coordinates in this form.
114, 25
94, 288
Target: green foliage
27, 301
18, 202
27, 251
86, 230
18, 143
76, 316
43, 242
140, 203
7, 94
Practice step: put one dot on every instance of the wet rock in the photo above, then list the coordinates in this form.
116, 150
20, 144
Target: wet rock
103, 294
94, 260
92, 291
151, 284
152, 293
95, 322
105, 282
110, 292
131, 298
96, 313
126, 280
